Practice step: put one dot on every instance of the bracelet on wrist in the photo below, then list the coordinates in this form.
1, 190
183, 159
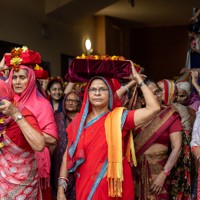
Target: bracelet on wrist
166, 172
62, 177
141, 84
63, 184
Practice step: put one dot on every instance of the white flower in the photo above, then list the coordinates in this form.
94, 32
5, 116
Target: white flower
24, 48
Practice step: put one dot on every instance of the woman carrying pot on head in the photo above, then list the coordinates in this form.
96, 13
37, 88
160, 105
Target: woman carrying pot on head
99, 142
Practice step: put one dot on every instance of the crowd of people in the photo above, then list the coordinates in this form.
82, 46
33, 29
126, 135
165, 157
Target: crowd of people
104, 139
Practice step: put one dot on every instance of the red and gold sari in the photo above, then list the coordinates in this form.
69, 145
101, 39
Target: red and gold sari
149, 166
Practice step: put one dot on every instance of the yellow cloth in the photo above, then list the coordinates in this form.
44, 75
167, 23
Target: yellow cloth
130, 150
114, 140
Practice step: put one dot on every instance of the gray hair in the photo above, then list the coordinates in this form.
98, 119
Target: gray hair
185, 85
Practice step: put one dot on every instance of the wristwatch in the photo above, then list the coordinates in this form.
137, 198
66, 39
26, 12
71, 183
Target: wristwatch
19, 117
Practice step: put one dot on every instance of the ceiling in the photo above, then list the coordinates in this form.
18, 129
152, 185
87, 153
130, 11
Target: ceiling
143, 13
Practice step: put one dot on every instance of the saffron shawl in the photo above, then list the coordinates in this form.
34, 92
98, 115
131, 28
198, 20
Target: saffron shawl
115, 176
43, 112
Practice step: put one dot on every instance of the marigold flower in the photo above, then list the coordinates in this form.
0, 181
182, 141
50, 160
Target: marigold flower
16, 61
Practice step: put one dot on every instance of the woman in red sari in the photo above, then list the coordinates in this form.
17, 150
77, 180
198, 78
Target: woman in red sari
20, 138
180, 177
158, 145
100, 142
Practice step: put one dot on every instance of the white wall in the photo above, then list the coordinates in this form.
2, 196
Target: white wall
21, 22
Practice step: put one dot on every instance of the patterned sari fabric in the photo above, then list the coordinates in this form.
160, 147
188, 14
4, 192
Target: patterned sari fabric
88, 152
149, 166
152, 164
18, 182
180, 175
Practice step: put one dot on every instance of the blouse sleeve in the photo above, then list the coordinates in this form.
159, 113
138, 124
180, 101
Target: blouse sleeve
129, 120
175, 126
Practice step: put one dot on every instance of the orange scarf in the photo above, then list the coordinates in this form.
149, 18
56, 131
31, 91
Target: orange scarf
114, 140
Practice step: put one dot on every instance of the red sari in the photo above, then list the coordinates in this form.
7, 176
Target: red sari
91, 153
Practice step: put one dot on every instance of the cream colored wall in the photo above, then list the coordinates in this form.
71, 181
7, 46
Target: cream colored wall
21, 22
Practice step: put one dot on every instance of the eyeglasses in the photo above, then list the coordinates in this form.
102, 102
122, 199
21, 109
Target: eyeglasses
100, 90
71, 101
157, 92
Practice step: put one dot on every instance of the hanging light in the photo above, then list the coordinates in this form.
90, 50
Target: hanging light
88, 46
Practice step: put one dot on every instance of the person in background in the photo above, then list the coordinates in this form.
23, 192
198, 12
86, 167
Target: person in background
55, 91
20, 137
157, 146
195, 145
196, 15
185, 97
4, 70
180, 175
23, 82
194, 75
98, 139
71, 105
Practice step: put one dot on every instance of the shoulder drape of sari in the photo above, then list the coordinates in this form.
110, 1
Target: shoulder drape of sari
93, 146
154, 129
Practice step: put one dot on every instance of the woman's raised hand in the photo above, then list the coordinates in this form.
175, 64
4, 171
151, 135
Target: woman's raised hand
135, 75
194, 75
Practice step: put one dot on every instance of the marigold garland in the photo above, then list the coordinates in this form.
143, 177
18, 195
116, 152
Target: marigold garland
98, 57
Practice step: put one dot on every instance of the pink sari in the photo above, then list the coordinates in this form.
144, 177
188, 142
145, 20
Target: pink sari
42, 110
17, 182
18, 169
